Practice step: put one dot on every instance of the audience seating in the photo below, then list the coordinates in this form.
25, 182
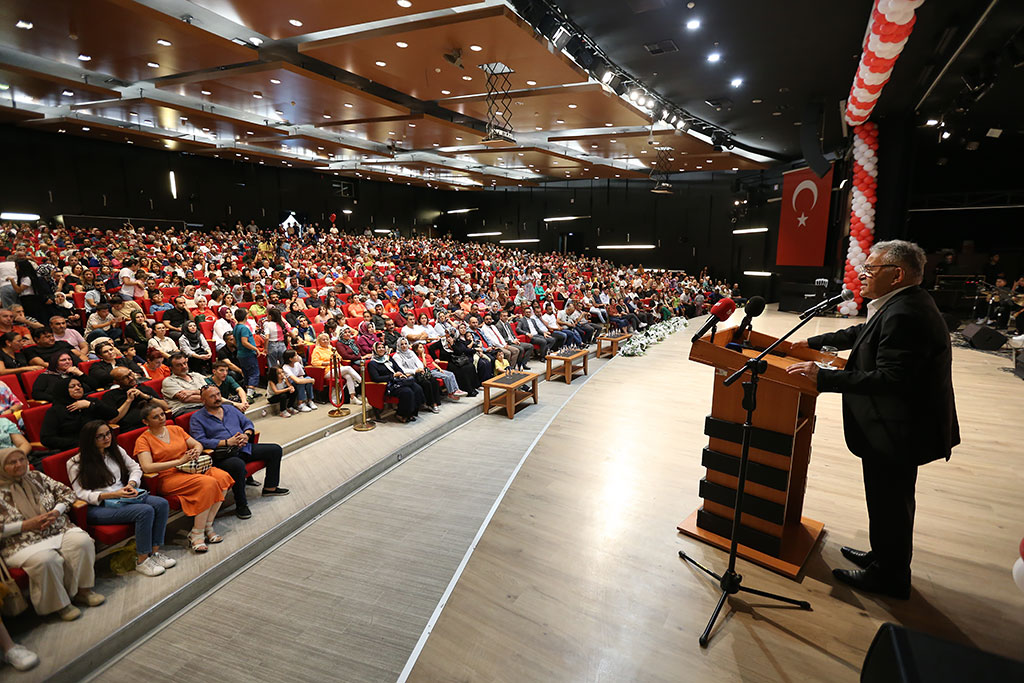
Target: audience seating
28, 380
56, 467
15, 386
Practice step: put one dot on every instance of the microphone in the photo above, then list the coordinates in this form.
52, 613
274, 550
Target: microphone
720, 312
753, 308
845, 295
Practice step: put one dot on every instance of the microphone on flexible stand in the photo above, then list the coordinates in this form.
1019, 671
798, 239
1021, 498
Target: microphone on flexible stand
846, 295
720, 312
753, 308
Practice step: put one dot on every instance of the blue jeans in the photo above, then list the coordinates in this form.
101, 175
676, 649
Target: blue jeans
303, 392
251, 367
275, 353
149, 518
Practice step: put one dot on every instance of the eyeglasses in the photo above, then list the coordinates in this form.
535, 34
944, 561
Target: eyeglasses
871, 270
103, 435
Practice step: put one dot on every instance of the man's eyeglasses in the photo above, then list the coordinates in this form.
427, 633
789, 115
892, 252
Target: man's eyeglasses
871, 270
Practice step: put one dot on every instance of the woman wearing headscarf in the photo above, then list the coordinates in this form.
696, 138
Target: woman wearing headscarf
61, 368
321, 358
409, 394
70, 411
137, 332
410, 365
367, 338
451, 384
37, 536
224, 326
195, 348
460, 361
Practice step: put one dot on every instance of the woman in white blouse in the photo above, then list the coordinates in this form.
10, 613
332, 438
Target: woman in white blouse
161, 342
108, 480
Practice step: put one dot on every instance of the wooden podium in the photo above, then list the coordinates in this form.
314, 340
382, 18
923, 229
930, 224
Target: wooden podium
773, 532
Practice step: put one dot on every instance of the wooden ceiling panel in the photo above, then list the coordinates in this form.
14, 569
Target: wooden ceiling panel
204, 125
416, 132
688, 152
12, 115
273, 18
282, 92
493, 34
33, 87
119, 36
260, 156
114, 133
588, 105
526, 159
326, 151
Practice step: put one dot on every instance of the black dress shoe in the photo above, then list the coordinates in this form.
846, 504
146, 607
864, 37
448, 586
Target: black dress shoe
861, 558
249, 481
873, 581
243, 512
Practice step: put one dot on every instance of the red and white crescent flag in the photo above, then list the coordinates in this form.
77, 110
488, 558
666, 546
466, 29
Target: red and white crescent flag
803, 221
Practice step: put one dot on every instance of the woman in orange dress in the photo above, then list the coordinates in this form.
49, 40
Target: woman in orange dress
160, 449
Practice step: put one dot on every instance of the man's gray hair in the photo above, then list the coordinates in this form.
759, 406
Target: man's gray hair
907, 255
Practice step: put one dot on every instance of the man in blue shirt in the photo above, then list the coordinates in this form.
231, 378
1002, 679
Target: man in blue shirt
219, 425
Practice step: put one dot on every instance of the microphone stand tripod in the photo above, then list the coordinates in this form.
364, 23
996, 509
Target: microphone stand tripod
730, 582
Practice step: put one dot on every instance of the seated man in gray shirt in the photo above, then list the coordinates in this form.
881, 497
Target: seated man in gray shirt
182, 388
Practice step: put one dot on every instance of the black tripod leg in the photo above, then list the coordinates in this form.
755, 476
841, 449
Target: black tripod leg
706, 636
698, 565
802, 604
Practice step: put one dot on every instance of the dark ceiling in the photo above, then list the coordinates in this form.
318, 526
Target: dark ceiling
797, 52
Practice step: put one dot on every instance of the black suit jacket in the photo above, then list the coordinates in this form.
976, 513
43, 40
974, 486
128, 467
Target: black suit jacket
897, 386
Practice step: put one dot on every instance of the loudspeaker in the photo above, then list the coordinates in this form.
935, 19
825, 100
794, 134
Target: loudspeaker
899, 655
984, 338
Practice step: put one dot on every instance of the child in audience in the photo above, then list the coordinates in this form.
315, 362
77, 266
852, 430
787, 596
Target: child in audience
281, 392
500, 363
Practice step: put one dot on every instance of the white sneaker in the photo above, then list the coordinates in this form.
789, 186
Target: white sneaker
305, 409
149, 568
21, 658
1017, 342
163, 560
434, 409
459, 393
312, 406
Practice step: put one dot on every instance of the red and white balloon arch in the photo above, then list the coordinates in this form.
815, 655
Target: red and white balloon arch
888, 31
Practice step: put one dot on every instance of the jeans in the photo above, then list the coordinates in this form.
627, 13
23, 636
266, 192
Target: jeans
269, 453
251, 367
149, 518
448, 378
111, 332
275, 353
303, 392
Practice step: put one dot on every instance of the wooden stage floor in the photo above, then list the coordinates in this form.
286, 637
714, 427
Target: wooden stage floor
577, 576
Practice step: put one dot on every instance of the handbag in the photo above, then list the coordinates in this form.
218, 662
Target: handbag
460, 361
12, 601
200, 465
120, 502
396, 383
221, 452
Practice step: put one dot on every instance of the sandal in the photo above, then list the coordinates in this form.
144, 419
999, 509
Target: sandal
197, 541
211, 535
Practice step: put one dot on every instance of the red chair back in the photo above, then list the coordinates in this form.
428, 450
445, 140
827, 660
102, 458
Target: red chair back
15, 386
207, 328
155, 384
33, 419
128, 439
183, 421
169, 293
28, 380
56, 466
159, 316
353, 322
79, 298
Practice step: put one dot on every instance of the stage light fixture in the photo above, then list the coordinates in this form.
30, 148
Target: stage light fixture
736, 82
714, 57
693, 24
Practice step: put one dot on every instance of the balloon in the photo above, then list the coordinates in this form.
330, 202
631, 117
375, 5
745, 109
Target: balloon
1018, 573
333, 217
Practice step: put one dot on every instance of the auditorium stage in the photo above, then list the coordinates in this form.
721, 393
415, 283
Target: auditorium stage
577, 577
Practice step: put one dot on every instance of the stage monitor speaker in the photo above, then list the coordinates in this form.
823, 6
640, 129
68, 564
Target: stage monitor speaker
899, 655
983, 337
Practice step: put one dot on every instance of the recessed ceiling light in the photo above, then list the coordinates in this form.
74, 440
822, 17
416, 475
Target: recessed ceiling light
206, 92
459, 139
256, 41
258, 95
756, 101
714, 57
735, 168
132, 113
776, 113
931, 122
206, 130
84, 58
128, 141
612, 141
275, 81
693, 24
68, 93
27, 25
295, 22
700, 167
165, 43
152, 65
573, 106
327, 116
249, 132
391, 132
608, 125
404, 3
475, 48
402, 44
736, 82
559, 121
381, 64
539, 128
412, 125
446, 92
86, 128
467, 78
531, 83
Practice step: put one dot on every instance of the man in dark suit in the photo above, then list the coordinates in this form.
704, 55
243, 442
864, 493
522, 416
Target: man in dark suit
898, 408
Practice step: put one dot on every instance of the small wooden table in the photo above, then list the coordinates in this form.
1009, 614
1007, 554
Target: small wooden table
612, 341
512, 394
570, 364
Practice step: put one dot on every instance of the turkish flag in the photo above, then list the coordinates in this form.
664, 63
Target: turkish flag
803, 223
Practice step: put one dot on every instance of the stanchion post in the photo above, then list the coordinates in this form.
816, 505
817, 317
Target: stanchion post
335, 391
365, 425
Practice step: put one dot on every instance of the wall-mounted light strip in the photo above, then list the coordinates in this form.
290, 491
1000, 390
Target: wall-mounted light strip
749, 231
484, 234
757, 273
174, 186
560, 219
14, 216
625, 246
347, 212
460, 211
518, 241
382, 232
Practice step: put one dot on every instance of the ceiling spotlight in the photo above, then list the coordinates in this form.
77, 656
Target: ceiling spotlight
86, 128
402, 44
165, 43
560, 121
931, 122
27, 25
714, 57
206, 92
258, 95
693, 24
256, 41
295, 22
641, 101
446, 92
275, 81
475, 48
531, 83
946, 135
84, 58
327, 116
608, 76
467, 78
381, 64
573, 106
152, 65
609, 125
634, 95
68, 93
736, 82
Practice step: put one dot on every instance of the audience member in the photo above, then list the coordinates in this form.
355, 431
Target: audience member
229, 387
61, 332
411, 366
154, 367
293, 368
182, 388
247, 352
71, 409
195, 348
15, 357
128, 398
410, 396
